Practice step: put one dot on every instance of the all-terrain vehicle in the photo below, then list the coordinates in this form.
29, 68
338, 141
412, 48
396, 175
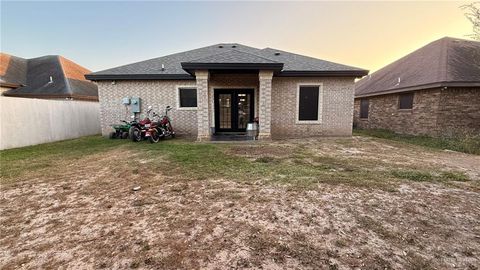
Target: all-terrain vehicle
121, 130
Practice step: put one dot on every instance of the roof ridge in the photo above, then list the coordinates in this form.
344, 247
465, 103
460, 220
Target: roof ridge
259, 56
155, 58
447, 56
67, 82
234, 50
397, 60
311, 57
210, 55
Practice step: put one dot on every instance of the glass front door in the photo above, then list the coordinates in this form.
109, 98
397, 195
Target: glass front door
233, 109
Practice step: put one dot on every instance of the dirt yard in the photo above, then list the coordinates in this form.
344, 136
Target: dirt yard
350, 203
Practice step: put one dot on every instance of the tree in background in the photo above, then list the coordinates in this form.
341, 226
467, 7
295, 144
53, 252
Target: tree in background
472, 12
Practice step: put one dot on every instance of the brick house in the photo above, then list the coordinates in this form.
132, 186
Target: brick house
432, 91
220, 88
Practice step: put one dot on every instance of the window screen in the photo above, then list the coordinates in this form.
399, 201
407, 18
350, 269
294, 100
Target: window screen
188, 97
405, 101
364, 108
308, 103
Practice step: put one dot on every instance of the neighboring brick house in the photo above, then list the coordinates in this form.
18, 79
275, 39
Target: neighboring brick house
432, 91
220, 88
46, 77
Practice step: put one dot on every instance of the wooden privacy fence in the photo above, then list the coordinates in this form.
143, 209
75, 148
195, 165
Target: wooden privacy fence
26, 121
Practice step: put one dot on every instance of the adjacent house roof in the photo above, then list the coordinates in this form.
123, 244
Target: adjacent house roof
227, 56
32, 78
446, 62
13, 71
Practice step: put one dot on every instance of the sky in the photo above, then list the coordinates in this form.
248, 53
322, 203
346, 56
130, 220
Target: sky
100, 35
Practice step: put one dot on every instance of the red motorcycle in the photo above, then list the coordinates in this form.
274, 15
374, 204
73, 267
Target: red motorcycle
160, 129
139, 129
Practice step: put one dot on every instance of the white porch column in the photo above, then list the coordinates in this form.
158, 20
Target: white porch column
265, 104
202, 105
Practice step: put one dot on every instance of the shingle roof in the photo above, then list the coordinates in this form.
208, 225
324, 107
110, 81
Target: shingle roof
67, 79
444, 62
13, 70
232, 56
220, 53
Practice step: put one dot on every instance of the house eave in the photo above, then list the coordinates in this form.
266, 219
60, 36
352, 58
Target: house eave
190, 67
324, 73
10, 85
104, 77
421, 87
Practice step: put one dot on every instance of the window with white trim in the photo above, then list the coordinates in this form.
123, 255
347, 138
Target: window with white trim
187, 97
309, 103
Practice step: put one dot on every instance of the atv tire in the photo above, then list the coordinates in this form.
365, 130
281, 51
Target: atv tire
135, 134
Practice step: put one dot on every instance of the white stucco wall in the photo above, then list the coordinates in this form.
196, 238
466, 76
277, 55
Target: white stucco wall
25, 121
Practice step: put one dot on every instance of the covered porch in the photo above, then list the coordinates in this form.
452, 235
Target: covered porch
232, 93
227, 101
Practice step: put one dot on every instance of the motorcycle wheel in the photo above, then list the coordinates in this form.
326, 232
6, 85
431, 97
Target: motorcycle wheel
124, 135
154, 137
135, 134
112, 135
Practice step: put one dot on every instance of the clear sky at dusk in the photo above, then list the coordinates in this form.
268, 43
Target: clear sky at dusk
101, 35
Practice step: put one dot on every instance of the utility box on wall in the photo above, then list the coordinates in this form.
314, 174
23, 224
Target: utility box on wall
135, 103
126, 101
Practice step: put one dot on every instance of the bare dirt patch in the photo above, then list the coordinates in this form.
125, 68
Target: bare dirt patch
88, 216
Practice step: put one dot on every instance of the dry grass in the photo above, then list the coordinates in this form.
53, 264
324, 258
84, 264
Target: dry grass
309, 204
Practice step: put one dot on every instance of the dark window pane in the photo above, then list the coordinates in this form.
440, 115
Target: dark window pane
364, 108
188, 97
406, 101
225, 101
308, 103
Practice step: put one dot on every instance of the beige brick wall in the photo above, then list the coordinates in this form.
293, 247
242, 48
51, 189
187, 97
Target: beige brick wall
203, 120
336, 113
436, 112
158, 94
265, 104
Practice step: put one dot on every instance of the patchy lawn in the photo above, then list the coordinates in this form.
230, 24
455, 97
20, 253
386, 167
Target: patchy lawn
344, 203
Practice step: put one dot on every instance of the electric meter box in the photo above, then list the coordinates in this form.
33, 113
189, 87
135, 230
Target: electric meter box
135, 103
126, 101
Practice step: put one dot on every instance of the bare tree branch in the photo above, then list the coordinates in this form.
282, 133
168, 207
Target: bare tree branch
472, 13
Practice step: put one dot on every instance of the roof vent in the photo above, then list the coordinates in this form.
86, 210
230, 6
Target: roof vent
234, 46
277, 53
51, 80
163, 67
220, 46
398, 82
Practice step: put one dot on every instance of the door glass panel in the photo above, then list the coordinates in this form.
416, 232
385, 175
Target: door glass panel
243, 110
225, 102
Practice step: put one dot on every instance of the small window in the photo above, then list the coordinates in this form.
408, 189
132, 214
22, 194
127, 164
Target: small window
364, 108
308, 101
405, 101
187, 97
